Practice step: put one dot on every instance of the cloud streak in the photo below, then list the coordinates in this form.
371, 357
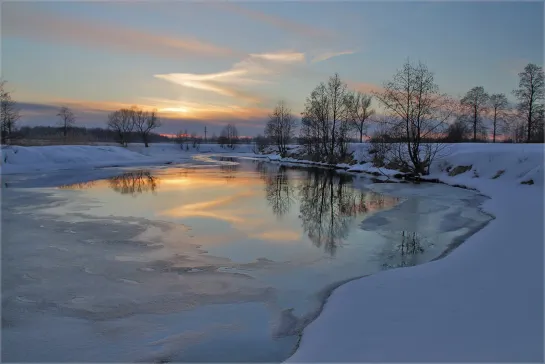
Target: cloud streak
253, 70
328, 55
24, 22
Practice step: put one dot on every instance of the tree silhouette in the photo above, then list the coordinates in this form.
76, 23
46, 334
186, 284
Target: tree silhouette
134, 183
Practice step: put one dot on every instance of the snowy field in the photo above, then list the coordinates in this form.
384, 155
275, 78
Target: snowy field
482, 302
17, 159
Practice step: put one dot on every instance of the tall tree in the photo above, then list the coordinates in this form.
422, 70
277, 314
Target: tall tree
121, 122
530, 95
280, 127
229, 135
325, 121
144, 122
418, 115
361, 112
498, 104
9, 113
68, 119
476, 100
338, 93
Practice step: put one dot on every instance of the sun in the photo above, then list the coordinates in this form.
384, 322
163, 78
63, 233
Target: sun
182, 110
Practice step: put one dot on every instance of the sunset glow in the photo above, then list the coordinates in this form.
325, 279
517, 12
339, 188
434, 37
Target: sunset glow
96, 57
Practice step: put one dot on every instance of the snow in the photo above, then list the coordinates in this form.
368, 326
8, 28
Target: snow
483, 302
17, 159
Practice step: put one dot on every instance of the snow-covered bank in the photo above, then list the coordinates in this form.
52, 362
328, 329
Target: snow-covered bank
483, 302
512, 162
17, 159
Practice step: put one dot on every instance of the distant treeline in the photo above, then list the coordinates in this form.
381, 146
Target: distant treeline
80, 134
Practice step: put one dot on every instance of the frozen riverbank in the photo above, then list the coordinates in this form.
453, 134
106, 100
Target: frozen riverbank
483, 302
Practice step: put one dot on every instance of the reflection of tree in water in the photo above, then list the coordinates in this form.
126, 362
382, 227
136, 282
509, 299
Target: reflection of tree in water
229, 169
328, 206
408, 247
328, 202
134, 183
279, 191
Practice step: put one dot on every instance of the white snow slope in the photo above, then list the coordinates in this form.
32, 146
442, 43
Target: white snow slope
16, 159
483, 302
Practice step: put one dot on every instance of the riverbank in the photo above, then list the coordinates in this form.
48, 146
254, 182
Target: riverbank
17, 159
483, 302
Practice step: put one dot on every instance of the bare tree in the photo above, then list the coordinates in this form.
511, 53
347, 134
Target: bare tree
325, 122
418, 114
121, 122
67, 119
182, 138
9, 114
530, 95
229, 135
476, 100
144, 122
195, 141
281, 127
361, 112
498, 105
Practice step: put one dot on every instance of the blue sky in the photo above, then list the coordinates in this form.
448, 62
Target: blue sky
209, 63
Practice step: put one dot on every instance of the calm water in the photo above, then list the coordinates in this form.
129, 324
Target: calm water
208, 262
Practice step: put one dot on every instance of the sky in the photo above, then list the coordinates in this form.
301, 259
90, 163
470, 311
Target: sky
209, 63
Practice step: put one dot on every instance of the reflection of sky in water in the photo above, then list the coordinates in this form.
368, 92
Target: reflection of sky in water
270, 211
294, 231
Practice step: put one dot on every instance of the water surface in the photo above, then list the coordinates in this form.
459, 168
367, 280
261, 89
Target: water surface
222, 262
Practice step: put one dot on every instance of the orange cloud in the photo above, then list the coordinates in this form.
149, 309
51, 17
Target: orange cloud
214, 113
23, 21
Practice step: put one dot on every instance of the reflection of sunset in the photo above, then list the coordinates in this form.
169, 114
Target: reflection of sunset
202, 179
216, 209
315, 205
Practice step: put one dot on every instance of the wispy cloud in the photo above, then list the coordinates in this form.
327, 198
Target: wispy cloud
281, 23
328, 55
26, 22
254, 69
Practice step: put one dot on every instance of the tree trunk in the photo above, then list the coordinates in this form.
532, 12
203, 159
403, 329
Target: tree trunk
145, 139
361, 135
494, 132
474, 124
529, 131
